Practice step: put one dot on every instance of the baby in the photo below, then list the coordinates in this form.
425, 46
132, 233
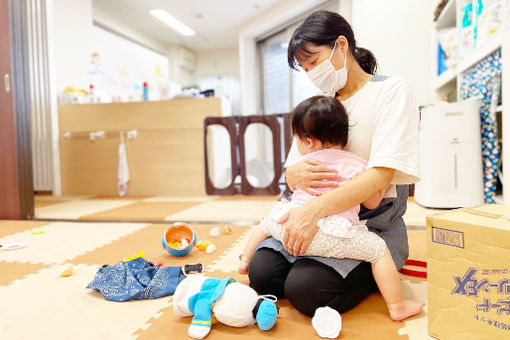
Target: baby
320, 125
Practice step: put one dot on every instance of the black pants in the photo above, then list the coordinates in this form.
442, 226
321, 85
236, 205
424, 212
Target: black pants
309, 284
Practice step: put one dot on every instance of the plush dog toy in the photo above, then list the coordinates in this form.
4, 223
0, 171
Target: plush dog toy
233, 303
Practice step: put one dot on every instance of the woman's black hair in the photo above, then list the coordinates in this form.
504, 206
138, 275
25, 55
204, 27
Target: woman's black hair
323, 28
323, 118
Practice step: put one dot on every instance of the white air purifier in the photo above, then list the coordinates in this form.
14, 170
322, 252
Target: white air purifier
450, 156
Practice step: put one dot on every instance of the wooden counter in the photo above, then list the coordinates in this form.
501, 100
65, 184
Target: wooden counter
166, 158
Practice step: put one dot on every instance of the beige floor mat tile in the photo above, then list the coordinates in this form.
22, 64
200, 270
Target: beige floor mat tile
416, 327
180, 199
13, 227
141, 211
148, 240
229, 260
248, 198
76, 209
17, 271
62, 241
415, 214
116, 197
47, 306
62, 197
226, 211
41, 204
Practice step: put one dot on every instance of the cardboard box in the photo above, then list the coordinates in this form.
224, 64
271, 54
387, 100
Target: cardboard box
469, 273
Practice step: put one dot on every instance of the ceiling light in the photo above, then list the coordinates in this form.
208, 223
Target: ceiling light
172, 21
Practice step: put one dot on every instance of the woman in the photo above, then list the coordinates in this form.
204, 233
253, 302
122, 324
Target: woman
384, 131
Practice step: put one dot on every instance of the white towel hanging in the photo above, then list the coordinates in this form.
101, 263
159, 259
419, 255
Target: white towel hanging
122, 170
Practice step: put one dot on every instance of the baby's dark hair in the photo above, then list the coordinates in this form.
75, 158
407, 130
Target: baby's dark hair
323, 118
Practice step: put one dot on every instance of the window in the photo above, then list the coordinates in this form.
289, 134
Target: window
282, 87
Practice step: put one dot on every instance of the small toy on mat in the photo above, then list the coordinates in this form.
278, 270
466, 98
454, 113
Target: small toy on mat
206, 246
215, 232
327, 322
193, 268
179, 239
233, 304
68, 271
14, 246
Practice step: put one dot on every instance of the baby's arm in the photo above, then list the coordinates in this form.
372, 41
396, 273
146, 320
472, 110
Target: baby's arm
257, 235
374, 201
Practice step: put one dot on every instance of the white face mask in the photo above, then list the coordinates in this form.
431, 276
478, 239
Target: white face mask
326, 78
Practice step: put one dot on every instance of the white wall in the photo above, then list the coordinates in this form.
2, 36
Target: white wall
107, 20
224, 61
400, 34
71, 33
176, 74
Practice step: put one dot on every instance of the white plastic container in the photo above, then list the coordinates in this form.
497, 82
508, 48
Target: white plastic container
450, 156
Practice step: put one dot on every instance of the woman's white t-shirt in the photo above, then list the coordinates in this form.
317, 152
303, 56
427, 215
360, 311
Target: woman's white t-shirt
384, 127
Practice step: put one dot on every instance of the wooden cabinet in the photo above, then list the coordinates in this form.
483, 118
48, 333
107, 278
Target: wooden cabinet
165, 158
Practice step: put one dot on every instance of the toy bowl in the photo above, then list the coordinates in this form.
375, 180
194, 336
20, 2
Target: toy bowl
177, 232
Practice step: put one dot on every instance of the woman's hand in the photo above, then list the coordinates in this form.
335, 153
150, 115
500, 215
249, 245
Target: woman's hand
300, 229
308, 174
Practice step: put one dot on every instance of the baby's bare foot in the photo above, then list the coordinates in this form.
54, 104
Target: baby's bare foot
405, 309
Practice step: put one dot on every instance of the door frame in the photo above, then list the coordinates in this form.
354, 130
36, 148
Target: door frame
18, 203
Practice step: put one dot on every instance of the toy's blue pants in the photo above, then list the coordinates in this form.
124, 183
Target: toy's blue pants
202, 303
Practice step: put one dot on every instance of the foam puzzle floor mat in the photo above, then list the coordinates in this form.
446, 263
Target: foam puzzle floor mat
37, 303
206, 209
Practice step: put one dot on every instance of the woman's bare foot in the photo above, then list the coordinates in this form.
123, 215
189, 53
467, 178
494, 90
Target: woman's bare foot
405, 309
243, 266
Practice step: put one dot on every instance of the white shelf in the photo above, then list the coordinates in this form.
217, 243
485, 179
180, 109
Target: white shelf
446, 77
447, 16
481, 51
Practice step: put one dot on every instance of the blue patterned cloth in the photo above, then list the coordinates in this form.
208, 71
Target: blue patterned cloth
136, 280
483, 81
